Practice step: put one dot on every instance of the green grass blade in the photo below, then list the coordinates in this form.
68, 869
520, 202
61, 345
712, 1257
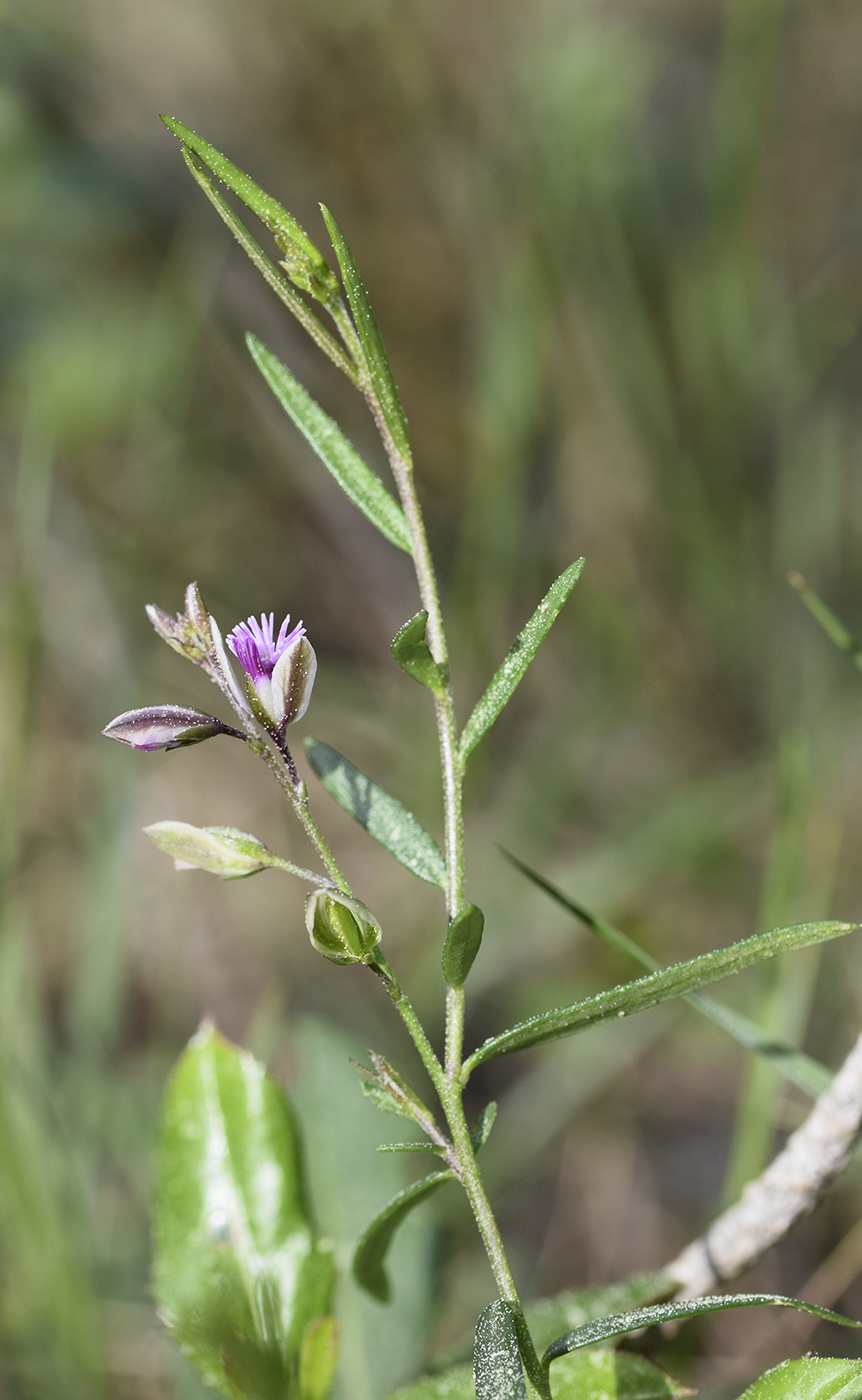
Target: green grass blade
521, 653
601, 1328
383, 817
660, 987
832, 626
277, 281
808, 1074
337, 454
376, 359
369, 1258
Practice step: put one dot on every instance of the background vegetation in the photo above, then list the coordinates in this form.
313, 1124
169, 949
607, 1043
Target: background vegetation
615, 252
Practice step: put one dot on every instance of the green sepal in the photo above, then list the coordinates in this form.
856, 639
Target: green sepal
373, 1244
356, 479
376, 359
413, 654
462, 944
660, 987
317, 1357
382, 816
603, 1328
809, 1378
304, 262
520, 654
238, 1272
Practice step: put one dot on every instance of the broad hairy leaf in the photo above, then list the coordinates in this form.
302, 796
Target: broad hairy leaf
413, 653
520, 654
373, 1245
462, 944
660, 987
239, 1274
383, 817
795, 1065
809, 1378
376, 359
603, 1328
338, 455
497, 1370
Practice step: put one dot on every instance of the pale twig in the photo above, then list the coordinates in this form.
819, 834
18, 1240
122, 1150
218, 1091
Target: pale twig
789, 1188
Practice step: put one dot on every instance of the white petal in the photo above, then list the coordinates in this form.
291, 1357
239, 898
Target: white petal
226, 668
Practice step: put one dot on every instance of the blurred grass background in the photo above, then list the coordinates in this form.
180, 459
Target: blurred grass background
615, 252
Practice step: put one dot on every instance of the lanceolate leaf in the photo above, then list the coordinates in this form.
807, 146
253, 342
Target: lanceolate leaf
239, 1274
337, 454
383, 816
370, 1256
521, 653
662, 986
372, 341
602, 1328
413, 653
497, 1370
796, 1066
809, 1378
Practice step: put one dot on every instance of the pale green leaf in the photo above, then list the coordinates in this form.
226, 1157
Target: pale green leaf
383, 817
372, 1247
663, 986
239, 1273
796, 1066
612, 1375
338, 455
809, 1378
521, 653
376, 359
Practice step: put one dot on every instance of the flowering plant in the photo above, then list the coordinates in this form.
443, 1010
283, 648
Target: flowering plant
243, 1279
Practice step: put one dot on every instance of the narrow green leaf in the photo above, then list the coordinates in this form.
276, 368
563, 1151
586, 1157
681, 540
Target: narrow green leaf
413, 654
391, 1092
277, 281
337, 454
602, 1328
317, 1357
409, 1147
521, 653
239, 1273
547, 1318
369, 1258
288, 233
832, 625
376, 359
660, 987
796, 1066
462, 944
383, 816
809, 1378
484, 1124
497, 1370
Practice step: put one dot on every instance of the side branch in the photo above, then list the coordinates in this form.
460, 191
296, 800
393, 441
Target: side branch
789, 1188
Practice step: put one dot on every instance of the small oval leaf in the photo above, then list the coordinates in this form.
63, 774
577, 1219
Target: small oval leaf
413, 653
497, 1370
338, 455
521, 653
369, 1258
239, 1273
383, 817
462, 944
646, 992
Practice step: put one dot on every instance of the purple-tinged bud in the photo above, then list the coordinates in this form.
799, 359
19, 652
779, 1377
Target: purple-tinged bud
189, 633
165, 727
280, 669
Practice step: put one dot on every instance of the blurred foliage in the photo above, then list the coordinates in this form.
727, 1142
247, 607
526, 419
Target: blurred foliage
615, 253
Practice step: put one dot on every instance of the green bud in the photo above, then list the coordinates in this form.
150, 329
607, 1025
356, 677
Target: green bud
462, 944
342, 929
222, 850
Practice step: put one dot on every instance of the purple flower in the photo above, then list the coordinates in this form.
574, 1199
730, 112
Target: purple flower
280, 668
165, 727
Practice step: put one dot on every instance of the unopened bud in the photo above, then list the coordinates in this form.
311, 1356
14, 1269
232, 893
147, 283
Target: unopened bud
165, 727
341, 928
222, 850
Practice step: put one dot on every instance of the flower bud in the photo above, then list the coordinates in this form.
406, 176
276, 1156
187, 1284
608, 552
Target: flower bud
165, 727
342, 929
222, 850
